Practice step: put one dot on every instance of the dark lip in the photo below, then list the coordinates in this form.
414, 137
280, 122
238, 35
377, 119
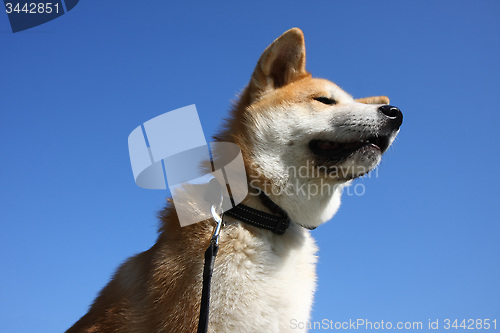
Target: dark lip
339, 151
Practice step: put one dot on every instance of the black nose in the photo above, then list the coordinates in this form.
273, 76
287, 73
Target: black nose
393, 113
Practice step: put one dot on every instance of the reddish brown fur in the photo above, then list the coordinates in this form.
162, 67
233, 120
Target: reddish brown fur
157, 290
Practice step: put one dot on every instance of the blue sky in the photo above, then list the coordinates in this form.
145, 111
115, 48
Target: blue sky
421, 243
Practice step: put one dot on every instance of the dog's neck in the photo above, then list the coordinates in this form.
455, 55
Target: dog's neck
295, 235
302, 208
254, 201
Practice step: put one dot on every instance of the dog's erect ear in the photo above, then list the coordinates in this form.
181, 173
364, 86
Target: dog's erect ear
374, 100
283, 62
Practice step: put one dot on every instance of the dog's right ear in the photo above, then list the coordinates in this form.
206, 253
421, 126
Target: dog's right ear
373, 100
282, 62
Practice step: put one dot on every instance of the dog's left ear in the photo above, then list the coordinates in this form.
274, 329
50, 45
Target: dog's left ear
283, 62
373, 100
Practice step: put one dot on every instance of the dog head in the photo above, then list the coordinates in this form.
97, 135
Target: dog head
296, 131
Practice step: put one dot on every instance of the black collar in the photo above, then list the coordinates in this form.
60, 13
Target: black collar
260, 219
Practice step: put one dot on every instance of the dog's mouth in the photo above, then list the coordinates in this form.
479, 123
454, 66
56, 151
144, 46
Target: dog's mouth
334, 152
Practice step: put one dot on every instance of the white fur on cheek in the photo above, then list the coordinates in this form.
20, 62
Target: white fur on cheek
282, 154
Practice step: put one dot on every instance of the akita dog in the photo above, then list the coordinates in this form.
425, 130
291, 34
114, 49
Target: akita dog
264, 280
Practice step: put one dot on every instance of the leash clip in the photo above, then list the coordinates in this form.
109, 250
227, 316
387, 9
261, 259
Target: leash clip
219, 223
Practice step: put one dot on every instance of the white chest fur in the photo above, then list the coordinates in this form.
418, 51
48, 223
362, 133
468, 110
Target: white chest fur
262, 282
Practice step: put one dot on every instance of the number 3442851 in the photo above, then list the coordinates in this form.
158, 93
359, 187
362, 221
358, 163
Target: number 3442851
32, 8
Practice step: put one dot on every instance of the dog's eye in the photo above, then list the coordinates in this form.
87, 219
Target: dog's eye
325, 100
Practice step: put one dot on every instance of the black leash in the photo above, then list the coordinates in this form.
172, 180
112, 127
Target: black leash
208, 269
277, 224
